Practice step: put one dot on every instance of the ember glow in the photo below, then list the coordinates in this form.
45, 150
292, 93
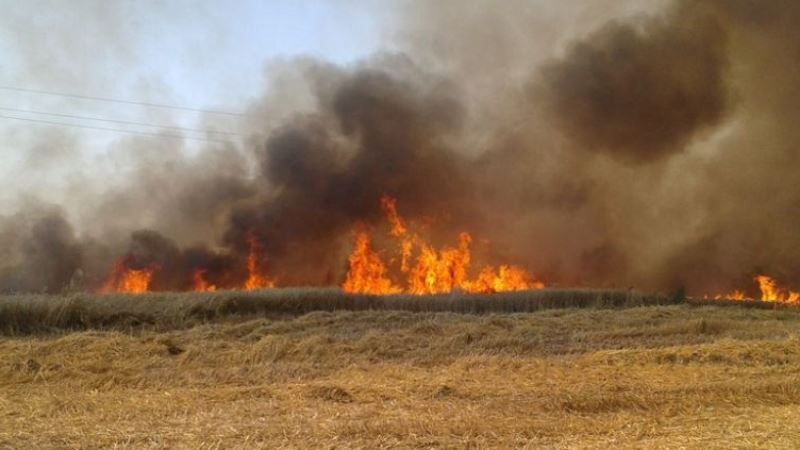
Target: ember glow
424, 268
733, 295
199, 282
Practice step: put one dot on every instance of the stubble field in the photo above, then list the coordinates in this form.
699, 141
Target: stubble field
611, 373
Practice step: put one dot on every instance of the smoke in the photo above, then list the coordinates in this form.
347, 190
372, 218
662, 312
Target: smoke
595, 143
640, 90
373, 134
748, 205
40, 252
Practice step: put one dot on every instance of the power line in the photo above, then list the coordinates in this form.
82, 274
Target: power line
115, 130
114, 100
123, 122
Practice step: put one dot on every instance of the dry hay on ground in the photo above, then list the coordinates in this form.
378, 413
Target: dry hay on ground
657, 377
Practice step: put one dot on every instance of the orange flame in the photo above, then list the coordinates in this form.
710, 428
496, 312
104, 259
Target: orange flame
426, 269
136, 281
389, 206
129, 281
770, 292
733, 295
367, 274
438, 272
506, 279
199, 281
433, 272
399, 231
254, 279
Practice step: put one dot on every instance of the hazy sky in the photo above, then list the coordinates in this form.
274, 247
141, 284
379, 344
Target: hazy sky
194, 52
204, 54
215, 54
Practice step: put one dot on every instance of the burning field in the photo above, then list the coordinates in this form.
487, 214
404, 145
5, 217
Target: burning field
517, 223
427, 270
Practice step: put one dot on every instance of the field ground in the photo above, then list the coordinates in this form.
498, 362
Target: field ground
663, 376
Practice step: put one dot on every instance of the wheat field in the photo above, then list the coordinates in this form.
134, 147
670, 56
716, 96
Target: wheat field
181, 371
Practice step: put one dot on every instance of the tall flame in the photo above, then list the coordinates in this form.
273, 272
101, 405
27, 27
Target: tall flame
399, 231
438, 272
771, 292
432, 272
254, 278
367, 274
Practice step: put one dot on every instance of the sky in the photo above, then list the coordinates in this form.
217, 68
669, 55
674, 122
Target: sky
200, 54
196, 52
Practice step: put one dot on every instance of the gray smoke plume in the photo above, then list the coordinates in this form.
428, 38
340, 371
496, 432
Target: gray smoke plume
40, 252
641, 90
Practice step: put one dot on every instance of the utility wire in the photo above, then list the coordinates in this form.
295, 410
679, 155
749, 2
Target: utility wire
116, 130
123, 122
114, 100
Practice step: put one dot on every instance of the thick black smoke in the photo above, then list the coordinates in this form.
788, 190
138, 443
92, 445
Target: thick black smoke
374, 134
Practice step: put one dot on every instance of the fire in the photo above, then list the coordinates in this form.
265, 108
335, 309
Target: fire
505, 279
399, 231
254, 279
199, 282
733, 295
367, 274
422, 268
129, 281
432, 272
770, 292
136, 281
389, 206
439, 272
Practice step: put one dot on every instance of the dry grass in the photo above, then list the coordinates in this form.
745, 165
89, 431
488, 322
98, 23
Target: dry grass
678, 376
37, 313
